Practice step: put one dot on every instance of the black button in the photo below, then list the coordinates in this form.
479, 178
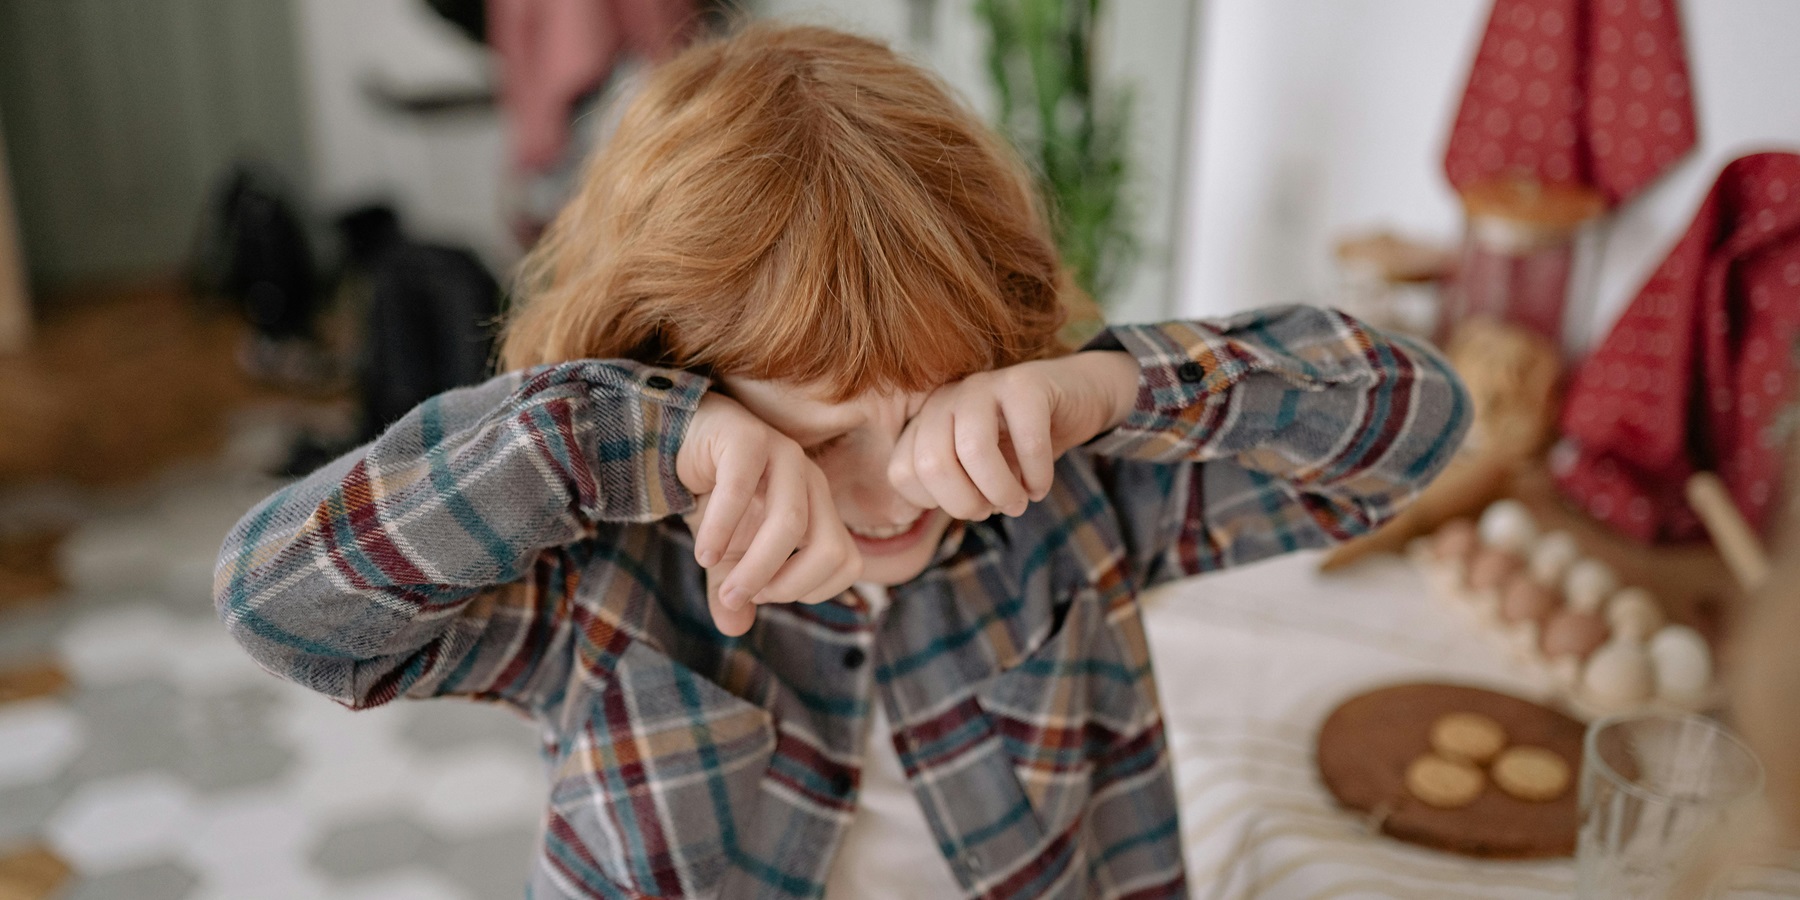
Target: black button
841, 783
854, 657
659, 382
1190, 372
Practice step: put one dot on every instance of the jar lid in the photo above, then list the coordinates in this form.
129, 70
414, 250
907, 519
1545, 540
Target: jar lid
1385, 256
1528, 202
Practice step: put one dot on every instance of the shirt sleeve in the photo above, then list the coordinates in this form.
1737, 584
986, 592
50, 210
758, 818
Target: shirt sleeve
1272, 431
440, 558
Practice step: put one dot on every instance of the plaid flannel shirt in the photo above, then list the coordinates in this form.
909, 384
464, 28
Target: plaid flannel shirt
519, 541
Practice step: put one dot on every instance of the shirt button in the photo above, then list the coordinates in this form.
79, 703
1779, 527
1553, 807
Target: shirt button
854, 657
1190, 372
659, 382
840, 783
973, 862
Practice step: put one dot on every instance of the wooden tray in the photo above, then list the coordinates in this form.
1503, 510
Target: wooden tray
1366, 744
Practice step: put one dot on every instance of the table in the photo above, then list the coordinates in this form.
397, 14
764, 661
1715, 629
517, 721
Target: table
1250, 661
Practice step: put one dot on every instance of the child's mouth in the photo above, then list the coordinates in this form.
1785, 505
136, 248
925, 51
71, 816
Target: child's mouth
891, 539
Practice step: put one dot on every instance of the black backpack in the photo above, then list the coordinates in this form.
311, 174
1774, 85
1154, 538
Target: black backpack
255, 256
431, 316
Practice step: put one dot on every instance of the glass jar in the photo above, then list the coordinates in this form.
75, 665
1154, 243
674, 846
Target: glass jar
1527, 255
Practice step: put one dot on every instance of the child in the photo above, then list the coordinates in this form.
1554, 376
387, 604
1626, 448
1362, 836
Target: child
798, 333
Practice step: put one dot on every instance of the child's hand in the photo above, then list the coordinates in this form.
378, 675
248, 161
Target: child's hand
989, 442
765, 527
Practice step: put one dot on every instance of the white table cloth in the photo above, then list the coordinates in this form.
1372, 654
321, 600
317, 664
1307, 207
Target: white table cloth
1250, 661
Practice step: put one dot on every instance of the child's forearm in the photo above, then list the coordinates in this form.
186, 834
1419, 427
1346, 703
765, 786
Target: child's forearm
1321, 428
357, 581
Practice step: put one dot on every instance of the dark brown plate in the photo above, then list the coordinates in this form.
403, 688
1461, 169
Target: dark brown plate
1366, 744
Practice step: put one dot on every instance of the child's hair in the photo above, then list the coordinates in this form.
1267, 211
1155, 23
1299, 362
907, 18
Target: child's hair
799, 204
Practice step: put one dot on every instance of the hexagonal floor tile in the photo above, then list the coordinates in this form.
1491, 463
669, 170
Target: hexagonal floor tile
412, 884
25, 808
118, 823
132, 728
161, 881
366, 781
480, 790
27, 631
118, 645
115, 551
434, 726
228, 740
360, 849
240, 838
319, 727
207, 661
492, 867
277, 880
38, 739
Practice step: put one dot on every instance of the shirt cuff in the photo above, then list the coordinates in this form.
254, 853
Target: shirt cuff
1193, 369
631, 428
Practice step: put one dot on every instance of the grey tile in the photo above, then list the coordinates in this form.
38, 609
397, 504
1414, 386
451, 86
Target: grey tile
130, 728
25, 808
237, 765
370, 846
44, 504
28, 634
162, 881
230, 741
491, 867
449, 723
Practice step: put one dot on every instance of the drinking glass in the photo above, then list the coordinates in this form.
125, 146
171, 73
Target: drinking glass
1651, 784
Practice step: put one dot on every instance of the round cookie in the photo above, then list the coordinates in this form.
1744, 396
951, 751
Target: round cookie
1443, 783
1533, 774
1467, 736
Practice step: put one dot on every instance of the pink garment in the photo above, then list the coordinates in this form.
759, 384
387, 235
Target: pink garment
1592, 92
552, 52
1699, 371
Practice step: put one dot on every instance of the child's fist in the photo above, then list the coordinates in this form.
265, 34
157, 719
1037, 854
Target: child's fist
989, 442
765, 527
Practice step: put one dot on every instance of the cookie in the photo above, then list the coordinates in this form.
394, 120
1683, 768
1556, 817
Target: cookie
1531, 773
1444, 783
1467, 736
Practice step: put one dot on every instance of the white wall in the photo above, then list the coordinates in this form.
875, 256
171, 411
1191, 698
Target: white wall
1316, 117
446, 175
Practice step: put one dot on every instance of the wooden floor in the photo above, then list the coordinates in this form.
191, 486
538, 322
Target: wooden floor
116, 384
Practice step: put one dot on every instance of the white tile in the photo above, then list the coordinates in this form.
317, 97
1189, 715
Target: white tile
317, 726
188, 578
117, 823
37, 740
404, 884
283, 880
480, 790
207, 662
116, 645
241, 837
342, 787
120, 552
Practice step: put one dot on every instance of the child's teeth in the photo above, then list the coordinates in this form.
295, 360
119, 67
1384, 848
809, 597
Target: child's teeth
880, 533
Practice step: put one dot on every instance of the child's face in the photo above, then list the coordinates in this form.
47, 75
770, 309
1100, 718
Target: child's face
852, 442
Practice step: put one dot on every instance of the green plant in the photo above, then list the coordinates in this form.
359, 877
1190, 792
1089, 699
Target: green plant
1069, 128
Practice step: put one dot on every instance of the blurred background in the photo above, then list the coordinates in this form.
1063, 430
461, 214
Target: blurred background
237, 237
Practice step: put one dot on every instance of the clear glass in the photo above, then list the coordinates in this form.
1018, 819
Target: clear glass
1650, 785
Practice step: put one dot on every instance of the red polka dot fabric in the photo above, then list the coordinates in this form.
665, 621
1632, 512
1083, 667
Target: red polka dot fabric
1591, 92
1698, 373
